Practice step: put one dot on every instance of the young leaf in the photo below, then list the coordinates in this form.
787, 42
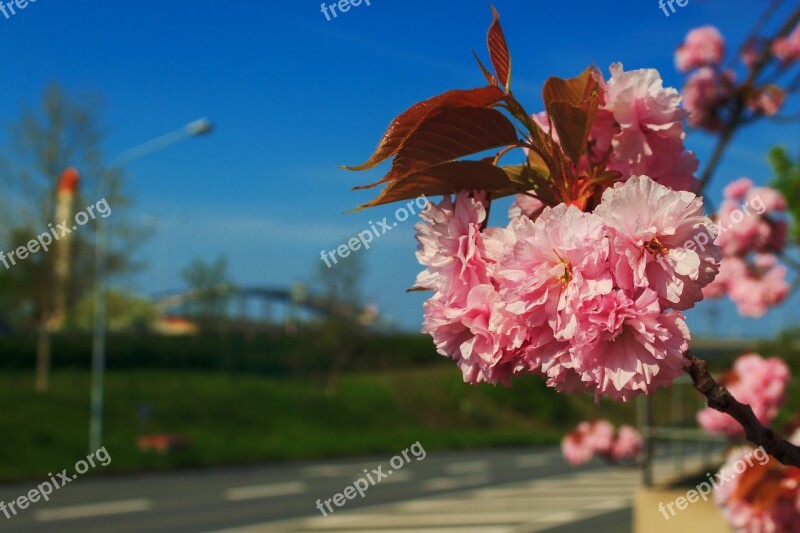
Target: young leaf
573, 90
450, 135
573, 124
446, 178
486, 74
410, 120
498, 51
572, 106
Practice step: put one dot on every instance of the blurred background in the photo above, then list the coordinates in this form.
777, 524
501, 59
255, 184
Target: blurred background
214, 131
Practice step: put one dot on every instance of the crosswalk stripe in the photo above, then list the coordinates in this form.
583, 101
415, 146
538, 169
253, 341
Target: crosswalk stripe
529, 506
264, 491
97, 509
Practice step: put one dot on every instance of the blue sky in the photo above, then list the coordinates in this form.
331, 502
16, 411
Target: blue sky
294, 95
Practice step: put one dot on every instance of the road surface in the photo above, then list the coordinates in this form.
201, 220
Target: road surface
518, 490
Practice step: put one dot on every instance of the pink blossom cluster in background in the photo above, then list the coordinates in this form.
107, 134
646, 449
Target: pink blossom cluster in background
787, 49
703, 47
599, 437
711, 92
755, 381
589, 301
751, 231
759, 496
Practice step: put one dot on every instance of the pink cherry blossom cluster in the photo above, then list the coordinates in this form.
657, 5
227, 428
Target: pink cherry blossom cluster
759, 496
787, 49
755, 381
638, 129
598, 437
751, 231
711, 91
591, 301
703, 47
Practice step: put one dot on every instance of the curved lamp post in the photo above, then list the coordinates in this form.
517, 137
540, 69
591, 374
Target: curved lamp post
199, 127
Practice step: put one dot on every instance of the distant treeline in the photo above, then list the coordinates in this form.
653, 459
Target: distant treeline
306, 353
300, 355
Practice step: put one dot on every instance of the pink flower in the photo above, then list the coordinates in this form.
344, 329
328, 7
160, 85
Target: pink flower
706, 91
760, 495
731, 268
625, 347
737, 189
466, 317
770, 199
764, 286
753, 286
739, 231
588, 438
591, 438
703, 46
525, 205
576, 447
659, 238
755, 381
482, 336
451, 246
767, 100
787, 49
601, 437
557, 261
641, 123
746, 224
627, 445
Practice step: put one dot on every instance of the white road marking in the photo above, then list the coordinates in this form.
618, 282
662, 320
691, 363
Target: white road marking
566, 516
529, 506
528, 461
610, 504
265, 491
444, 483
397, 476
96, 509
467, 467
330, 470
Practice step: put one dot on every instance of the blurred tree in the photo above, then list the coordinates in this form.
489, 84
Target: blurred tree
787, 181
211, 286
61, 132
341, 286
126, 312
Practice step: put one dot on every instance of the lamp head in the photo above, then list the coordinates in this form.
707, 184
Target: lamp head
201, 126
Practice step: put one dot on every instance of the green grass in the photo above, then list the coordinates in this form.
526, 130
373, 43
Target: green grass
244, 419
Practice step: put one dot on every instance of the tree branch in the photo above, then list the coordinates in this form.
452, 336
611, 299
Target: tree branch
720, 399
739, 104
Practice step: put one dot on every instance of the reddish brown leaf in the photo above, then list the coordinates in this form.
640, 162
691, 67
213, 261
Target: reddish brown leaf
406, 123
450, 135
573, 90
498, 52
446, 178
486, 74
520, 175
572, 105
573, 124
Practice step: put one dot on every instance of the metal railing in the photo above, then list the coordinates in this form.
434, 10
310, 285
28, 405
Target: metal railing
669, 416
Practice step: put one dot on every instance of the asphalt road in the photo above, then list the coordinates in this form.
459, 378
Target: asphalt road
230, 498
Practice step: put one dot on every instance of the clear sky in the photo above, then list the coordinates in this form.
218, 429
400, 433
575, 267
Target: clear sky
294, 95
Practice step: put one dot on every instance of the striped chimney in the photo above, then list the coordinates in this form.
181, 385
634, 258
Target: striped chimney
65, 211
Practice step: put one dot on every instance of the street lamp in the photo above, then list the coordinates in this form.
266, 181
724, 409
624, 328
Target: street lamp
199, 127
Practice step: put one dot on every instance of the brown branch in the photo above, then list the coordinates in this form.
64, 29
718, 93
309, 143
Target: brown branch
720, 399
740, 102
